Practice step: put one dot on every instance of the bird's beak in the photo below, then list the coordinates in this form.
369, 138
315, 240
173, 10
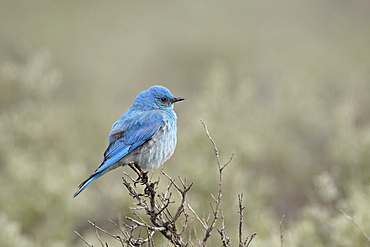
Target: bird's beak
177, 99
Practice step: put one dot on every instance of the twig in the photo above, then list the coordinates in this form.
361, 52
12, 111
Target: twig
252, 237
182, 192
281, 231
241, 208
104, 231
117, 226
213, 143
217, 200
185, 223
226, 242
218, 157
358, 226
83, 239
196, 216
144, 224
97, 235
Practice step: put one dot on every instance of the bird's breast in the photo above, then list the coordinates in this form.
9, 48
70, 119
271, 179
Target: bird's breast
157, 150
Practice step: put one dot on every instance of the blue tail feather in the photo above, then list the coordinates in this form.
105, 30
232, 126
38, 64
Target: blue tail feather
85, 183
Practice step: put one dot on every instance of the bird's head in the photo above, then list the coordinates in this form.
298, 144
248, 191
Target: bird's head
156, 97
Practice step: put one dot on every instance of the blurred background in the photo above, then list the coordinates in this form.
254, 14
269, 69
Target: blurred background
283, 84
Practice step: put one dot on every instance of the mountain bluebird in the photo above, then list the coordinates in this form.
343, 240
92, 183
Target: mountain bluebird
145, 134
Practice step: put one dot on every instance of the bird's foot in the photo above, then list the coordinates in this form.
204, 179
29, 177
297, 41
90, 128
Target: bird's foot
142, 176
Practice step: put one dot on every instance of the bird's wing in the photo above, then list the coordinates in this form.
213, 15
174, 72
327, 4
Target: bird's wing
125, 137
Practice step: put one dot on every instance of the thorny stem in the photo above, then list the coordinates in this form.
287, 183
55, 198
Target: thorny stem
241, 208
217, 200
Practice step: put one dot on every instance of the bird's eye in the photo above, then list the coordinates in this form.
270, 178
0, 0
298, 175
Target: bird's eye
164, 99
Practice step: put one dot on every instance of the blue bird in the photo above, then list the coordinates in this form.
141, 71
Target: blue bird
145, 134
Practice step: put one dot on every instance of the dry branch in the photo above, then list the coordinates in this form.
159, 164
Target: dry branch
160, 217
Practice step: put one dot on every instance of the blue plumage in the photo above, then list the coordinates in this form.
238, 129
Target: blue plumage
145, 134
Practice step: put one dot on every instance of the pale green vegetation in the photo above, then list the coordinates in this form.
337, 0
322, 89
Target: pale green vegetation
283, 84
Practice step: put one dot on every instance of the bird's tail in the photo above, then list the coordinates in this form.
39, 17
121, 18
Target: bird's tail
85, 183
